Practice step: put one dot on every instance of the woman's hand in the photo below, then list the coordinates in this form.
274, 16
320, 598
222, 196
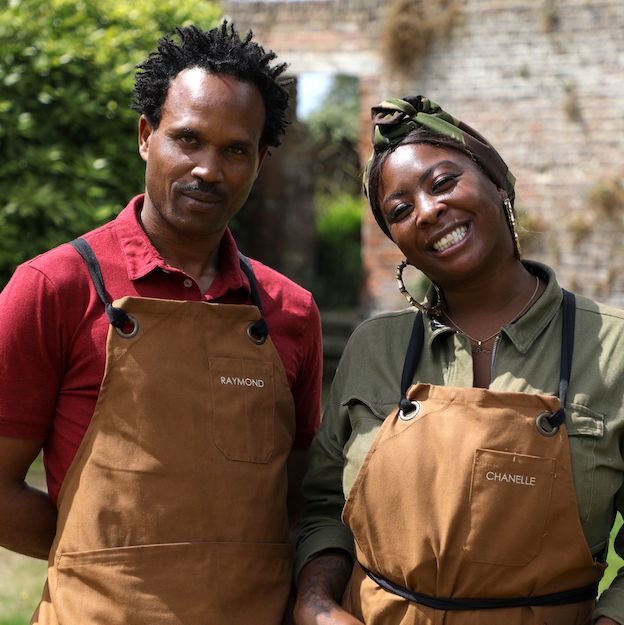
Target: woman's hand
605, 620
321, 585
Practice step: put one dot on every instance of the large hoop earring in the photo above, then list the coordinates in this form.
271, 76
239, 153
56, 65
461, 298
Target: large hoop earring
432, 310
511, 220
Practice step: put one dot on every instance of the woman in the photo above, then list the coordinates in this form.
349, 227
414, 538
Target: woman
488, 493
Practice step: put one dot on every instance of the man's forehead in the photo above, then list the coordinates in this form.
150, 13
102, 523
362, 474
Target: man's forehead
197, 86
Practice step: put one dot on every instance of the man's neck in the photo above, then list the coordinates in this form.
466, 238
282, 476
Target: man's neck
198, 257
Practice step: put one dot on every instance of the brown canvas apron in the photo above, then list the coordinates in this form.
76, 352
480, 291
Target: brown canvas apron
464, 510
174, 509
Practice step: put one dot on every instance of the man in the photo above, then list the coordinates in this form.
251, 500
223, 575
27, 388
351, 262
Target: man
172, 383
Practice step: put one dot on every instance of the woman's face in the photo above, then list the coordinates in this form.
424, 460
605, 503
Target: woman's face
444, 213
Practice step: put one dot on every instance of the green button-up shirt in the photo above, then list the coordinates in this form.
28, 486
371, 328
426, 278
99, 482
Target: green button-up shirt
526, 358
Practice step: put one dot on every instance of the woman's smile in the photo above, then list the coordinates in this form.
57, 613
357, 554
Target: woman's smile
447, 241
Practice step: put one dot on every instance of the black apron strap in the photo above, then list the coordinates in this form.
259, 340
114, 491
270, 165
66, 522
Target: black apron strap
576, 595
116, 316
119, 318
415, 345
412, 357
568, 306
260, 329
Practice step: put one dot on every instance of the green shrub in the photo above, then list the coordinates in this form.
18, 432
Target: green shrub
68, 147
338, 225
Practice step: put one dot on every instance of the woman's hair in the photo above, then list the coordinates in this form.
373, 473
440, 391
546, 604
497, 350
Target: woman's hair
218, 51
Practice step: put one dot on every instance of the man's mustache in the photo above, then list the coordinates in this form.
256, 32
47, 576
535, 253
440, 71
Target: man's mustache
207, 188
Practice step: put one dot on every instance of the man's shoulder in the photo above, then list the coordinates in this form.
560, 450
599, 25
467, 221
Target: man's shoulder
281, 290
62, 264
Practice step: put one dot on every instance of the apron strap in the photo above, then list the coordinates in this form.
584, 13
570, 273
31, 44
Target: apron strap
414, 350
259, 328
120, 319
567, 348
116, 316
564, 597
416, 342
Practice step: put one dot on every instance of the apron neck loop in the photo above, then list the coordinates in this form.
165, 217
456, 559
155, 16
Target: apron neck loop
567, 348
416, 342
414, 350
259, 329
116, 316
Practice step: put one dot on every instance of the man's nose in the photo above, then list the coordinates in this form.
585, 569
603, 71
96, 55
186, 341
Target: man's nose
208, 166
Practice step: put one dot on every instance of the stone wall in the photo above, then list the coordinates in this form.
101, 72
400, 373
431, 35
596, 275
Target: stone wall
542, 79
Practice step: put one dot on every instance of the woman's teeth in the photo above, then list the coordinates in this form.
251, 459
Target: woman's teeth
450, 239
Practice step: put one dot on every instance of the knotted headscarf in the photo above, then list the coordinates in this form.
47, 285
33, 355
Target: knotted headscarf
393, 120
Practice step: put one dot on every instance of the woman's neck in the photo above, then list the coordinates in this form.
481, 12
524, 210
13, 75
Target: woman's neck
500, 292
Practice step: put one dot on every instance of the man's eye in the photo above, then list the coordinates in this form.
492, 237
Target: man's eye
235, 149
188, 139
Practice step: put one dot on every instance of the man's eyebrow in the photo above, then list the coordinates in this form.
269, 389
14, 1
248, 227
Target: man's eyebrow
184, 130
242, 143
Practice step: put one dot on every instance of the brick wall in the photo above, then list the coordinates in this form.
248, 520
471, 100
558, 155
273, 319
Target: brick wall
543, 80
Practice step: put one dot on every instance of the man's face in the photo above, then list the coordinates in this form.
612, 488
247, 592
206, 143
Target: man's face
203, 158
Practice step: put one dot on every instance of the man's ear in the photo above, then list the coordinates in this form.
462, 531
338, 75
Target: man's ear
145, 133
262, 152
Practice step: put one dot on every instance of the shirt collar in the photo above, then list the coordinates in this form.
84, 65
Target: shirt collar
525, 330
522, 332
142, 258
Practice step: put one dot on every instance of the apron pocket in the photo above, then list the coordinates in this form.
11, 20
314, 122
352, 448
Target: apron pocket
169, 584
243, 408
509, 501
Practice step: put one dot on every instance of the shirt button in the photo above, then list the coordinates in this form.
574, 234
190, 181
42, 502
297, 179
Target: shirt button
188, 282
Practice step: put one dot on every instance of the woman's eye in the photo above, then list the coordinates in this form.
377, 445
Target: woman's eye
443, 183
188, 139
398, 212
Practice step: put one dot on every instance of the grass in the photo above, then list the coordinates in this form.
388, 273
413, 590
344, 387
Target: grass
613, 560
21, 578
21, 582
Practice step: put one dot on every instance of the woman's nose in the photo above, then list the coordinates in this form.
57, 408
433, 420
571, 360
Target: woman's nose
429, 211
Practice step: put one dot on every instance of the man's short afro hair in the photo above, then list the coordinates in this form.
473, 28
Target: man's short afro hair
218, 51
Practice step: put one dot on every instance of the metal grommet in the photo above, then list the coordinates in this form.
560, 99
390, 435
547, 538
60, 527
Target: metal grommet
258, 339
133, 332
410, 414
544, 426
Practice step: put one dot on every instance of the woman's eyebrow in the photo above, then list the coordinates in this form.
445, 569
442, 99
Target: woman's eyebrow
395, 195
425, 174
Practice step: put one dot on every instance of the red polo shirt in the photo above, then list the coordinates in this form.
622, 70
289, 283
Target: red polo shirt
53, 332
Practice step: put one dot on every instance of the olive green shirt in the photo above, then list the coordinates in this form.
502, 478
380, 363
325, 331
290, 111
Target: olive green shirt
526, 358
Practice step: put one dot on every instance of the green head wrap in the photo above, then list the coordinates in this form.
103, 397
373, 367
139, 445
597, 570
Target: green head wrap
394, 119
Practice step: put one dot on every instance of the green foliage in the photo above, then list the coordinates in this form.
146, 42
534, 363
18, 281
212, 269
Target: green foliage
338, 119
68, 138
334, 129
613, 560
338, 224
